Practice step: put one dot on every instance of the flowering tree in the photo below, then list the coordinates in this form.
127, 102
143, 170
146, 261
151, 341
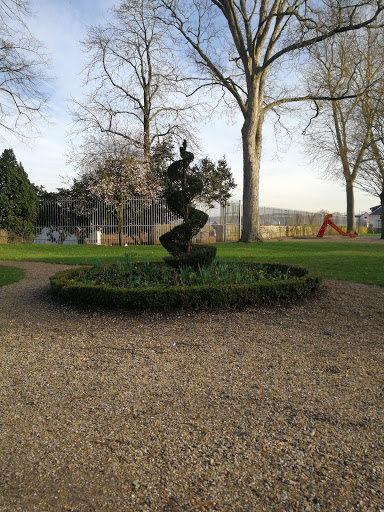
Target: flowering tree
116, 171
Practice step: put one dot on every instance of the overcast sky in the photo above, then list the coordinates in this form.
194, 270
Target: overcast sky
286, 182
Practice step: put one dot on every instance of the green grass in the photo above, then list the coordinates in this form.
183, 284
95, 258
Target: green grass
130, 274
359, 262
75, 254
9, 275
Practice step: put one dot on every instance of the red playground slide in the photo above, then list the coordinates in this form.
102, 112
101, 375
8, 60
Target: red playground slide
328, 222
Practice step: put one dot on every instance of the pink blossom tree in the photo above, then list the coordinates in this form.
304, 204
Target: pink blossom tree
115, 171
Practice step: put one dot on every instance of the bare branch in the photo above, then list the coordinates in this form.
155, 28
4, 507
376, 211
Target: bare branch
23, 65
343, 134
237, 45
138, 88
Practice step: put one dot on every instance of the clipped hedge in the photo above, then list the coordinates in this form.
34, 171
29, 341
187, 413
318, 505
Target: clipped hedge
202, 255
302, 283
181, 189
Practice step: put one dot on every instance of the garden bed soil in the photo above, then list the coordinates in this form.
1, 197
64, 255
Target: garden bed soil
262, 409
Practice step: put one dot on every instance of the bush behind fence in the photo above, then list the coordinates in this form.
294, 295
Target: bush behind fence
72, 221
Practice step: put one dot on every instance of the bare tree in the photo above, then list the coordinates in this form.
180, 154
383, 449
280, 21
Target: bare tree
136, 87
238, 44
341, 134
371, 176
23, 66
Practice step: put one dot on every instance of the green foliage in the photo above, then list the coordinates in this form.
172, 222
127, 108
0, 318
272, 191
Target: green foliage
355, 261
77, 190
9, 275
289, 283
181, 190
128, 273
217, 181
18, 201
162, 155
217, 177
200, 255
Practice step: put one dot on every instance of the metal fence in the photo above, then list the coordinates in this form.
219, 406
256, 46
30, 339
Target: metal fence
140, 221
281, 217
73, 221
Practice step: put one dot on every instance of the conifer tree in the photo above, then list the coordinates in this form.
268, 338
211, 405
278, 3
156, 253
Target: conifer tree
18, 200
182, 189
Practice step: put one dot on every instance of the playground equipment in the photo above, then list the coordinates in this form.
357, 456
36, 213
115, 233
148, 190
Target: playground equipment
328, 222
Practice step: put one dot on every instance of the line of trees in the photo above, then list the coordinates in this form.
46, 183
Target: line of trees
241, 47
156, 67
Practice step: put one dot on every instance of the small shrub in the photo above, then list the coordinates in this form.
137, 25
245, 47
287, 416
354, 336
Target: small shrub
157, 286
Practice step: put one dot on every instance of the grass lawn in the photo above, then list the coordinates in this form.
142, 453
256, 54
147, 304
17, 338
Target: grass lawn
359, 262
9, 275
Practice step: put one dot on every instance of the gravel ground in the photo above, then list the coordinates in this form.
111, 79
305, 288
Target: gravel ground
273, 409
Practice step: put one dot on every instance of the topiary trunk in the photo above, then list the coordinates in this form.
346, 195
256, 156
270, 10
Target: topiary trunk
181, 191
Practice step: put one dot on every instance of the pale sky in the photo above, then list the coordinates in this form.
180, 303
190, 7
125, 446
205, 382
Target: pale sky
285, 182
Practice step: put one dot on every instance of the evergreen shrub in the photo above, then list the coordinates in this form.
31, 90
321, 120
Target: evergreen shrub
301, 283
182, 188
18, 200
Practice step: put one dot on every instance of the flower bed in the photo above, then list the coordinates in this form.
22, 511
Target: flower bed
158, 286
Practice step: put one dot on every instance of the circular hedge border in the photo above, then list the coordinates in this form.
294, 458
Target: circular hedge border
302, 283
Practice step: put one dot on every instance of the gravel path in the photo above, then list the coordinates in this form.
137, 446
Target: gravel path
273, 409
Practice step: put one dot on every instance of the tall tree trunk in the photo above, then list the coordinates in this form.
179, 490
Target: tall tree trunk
252, 142
351, 221
382, 213
146, 141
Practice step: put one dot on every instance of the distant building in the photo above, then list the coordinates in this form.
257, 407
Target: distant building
372, 219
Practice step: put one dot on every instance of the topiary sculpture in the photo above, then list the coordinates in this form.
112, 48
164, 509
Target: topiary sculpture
181, 190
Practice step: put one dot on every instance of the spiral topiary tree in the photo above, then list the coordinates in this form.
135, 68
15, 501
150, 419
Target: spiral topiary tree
181, 190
